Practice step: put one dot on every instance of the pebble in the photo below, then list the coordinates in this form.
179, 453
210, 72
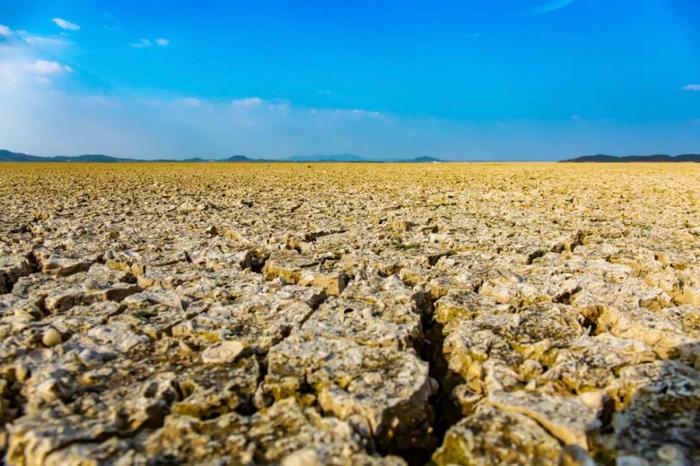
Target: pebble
51, 337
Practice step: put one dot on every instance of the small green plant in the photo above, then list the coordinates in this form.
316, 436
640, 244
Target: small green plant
401, 246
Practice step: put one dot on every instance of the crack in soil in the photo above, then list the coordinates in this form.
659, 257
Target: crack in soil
446, 411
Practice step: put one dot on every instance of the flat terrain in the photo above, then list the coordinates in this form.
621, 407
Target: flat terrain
349, 314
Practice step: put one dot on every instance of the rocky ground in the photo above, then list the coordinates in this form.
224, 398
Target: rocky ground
351, 314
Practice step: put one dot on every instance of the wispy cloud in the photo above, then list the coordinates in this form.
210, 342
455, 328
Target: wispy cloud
20, 73
27, 58
48, 67
141, 43
43, 42
353, 113
57, 121
552, 6
65, 24
189, 102
692, 87
247, 102
144, 43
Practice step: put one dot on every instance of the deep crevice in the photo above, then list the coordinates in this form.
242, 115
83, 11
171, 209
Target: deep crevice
8, 279
567, 296
13, 408
445, 409
535, 255
255, 260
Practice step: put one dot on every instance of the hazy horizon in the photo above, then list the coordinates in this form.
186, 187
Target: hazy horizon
497, 80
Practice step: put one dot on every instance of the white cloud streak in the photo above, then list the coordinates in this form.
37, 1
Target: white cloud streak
141, 43
18, 75
5, 31
46, 67
65, 24
247, 102
36, 41
145, 43
692, 87
552, 6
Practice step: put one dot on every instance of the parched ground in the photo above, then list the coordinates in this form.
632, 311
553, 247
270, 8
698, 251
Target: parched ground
349, 314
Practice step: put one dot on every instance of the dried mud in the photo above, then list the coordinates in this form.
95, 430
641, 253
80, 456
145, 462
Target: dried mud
349, 314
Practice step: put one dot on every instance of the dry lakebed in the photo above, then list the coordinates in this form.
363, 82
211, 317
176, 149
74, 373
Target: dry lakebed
349, 314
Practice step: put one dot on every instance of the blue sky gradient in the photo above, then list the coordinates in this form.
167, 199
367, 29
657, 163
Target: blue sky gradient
462, 80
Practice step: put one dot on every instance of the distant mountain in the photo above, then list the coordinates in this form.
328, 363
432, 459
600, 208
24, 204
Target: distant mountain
239, 158
95, 158
601, 158
327, 158
8, 156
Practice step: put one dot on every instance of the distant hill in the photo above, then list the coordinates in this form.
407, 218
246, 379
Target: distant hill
601, 158
96, 158
8, 156
238, 158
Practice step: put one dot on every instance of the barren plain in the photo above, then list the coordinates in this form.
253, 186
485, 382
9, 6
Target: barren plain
349, 314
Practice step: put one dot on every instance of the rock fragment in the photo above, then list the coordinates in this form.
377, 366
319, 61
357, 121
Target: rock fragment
223, 352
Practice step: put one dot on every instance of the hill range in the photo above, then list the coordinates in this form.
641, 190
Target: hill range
9, 156
657, 158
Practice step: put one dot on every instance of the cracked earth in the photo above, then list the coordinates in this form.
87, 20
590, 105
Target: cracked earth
349, 314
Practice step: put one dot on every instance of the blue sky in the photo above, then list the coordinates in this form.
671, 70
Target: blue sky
469, 80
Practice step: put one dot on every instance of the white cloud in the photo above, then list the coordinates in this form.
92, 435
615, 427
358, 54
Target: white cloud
44, 42
354, 113
141, 43
552, 6
692, 87
19, 73
189, 102
279, 106
5, 31
65, 24
357, 113
247, 102
46, 67
144, 43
